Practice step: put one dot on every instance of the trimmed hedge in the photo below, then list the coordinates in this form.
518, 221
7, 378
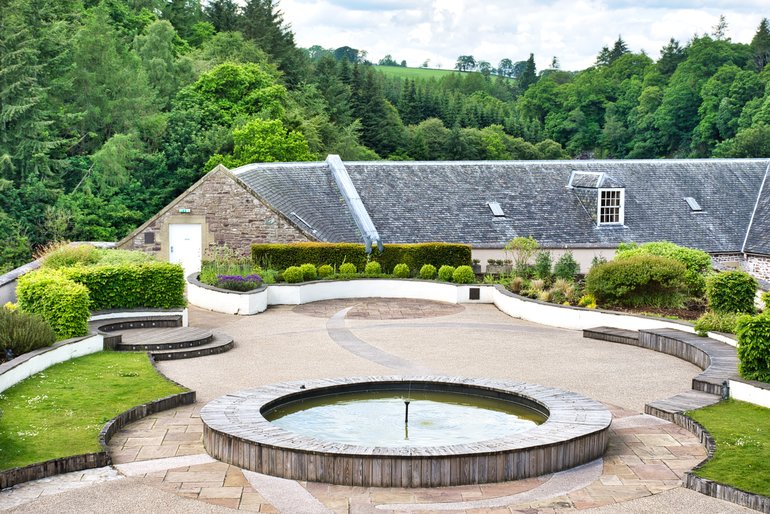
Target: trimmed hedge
464, 275
61, 302
754, 347
697, 262
638, 281
731, 291
127, 286
281, 256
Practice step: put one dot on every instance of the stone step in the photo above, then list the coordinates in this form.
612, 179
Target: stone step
690, 400
219, 343
613, 335
162, 339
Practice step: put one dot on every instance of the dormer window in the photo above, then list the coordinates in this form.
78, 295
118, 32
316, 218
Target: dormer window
610, 208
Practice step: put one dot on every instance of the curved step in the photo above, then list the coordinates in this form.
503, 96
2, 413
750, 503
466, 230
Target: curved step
163, 339
220, 343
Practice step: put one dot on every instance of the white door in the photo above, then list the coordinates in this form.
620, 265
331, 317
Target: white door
185, 246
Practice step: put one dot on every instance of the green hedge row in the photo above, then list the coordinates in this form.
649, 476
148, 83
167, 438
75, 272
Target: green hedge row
754, 347
638, 281
127, 286
60, 301
282, 256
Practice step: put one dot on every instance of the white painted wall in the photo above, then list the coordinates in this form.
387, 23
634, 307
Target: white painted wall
749, 393
227, 302
64, 351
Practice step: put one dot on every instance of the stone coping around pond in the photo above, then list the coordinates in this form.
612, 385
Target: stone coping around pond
235, 431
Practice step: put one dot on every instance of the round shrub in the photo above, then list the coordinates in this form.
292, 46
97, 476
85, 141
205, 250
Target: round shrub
373, 268
293, 275
731, 291
754, 347
697, 262
325, 271
61, 302
21, 332
445, 273
348, 268
464, 275
638, 281
308, 271
401, 270
428, 272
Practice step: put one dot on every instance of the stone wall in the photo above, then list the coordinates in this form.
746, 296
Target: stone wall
229, 214
758, 266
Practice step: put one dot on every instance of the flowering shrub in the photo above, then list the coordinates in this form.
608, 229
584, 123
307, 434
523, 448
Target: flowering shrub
239, 282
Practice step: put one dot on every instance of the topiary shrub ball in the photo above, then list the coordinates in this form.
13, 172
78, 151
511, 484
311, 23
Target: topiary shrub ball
373, 268
308, 271
293, 275
428, 272
325, 271
464, 275
401, 270
348, 268
445, 273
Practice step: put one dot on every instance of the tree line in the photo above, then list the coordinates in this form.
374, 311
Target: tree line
110, 108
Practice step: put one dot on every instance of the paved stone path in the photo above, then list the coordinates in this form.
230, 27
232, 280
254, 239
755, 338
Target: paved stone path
646, 456
379, 308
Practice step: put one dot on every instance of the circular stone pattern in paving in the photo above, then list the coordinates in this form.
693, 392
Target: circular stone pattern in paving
576, 431
379, 308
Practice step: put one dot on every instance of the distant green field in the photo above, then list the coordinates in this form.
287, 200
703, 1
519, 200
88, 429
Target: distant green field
413, 73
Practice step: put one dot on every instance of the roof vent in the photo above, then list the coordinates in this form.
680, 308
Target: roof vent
694, 205
497, 211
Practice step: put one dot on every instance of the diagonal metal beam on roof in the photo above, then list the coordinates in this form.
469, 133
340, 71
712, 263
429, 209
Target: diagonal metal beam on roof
356, 207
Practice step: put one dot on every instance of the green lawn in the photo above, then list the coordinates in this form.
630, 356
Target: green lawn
414, 73
742, 433
60, 411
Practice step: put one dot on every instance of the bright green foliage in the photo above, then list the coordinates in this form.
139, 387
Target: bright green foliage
742, 435
543, 266
413, 255
293, 275
428, 272
71, 255
754, 347
716, 322
309, 271
522, 249
348, 268
697, 262
264, 141
21, 332
401, 270
446, 273
566, 267
60, 411
766, 300
731, 291
61, 302
464, 275
157, 285
325, 270
638, 281
372, 268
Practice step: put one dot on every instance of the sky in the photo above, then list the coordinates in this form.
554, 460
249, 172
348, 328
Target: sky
574, 31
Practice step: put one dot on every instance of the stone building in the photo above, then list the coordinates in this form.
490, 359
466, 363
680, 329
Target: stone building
587, 207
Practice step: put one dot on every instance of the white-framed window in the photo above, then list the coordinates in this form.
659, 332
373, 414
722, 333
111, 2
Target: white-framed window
610, 207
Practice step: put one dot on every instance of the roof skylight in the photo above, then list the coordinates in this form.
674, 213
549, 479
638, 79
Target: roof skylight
497, 211
693, 203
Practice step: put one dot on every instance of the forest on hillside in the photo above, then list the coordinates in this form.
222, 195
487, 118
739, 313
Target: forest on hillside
111, 108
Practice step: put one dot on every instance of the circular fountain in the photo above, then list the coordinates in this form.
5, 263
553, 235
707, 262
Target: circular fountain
405, 431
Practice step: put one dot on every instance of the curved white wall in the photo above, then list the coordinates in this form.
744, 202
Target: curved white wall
226, 302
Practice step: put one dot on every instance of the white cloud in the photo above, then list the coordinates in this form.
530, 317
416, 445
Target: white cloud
572, 30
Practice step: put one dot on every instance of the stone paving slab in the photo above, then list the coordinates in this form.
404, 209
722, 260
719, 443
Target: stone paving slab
379, 308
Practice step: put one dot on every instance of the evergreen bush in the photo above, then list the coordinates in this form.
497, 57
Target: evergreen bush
543, 266
428, 272
21, 332
754, 347
638, 281
61, 302
566, 267
309, 271
325, 271
401, 270
373, 268
697, 262
464, 275
731, 291
445, 273
348, 268
293, 275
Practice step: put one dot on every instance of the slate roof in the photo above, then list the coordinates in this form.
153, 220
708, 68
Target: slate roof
447, 201
758, 237
303, 191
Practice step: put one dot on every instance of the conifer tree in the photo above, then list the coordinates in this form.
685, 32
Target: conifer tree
761, 45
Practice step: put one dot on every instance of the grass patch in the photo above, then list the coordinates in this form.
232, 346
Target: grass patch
60, 411
742, 433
